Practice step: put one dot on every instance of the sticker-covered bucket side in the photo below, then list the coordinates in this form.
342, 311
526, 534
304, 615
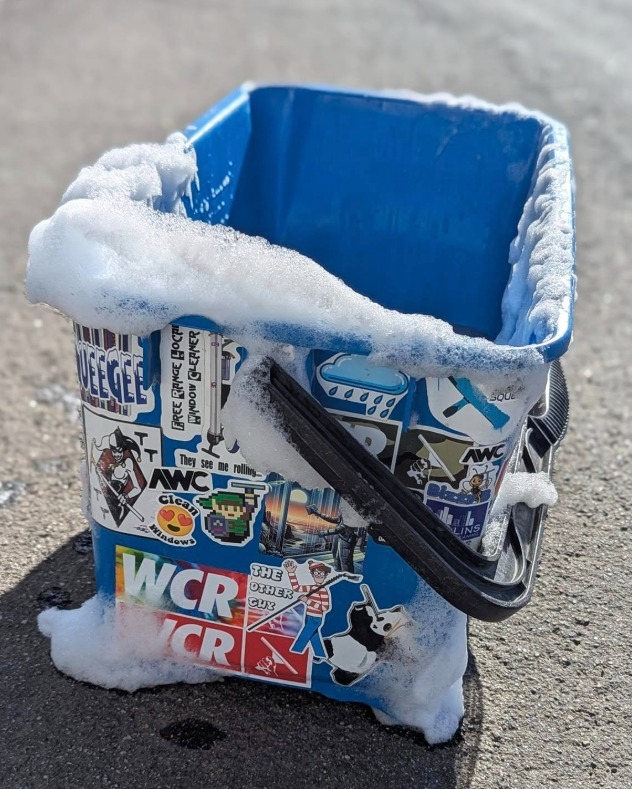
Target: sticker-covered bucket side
449, 440
242, 573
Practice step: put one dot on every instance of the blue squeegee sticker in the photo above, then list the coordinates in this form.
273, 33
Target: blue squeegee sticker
471, 396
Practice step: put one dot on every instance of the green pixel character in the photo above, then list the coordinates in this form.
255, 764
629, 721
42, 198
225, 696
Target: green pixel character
230, 516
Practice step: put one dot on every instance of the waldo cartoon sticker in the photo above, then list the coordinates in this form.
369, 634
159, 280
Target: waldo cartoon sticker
316, 597
309, 590
274, 619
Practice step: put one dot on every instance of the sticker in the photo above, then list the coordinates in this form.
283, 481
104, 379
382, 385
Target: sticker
229, 513
353, 653
380, 438
185, 377
459, 405
225, 461
274, 620
298, 521
175, 479
175, 521
374, 391
198, 368
309, 585
120, 461
456, 478
427, 454
110, 369
264, 624
202, 609
270, 658
129, 486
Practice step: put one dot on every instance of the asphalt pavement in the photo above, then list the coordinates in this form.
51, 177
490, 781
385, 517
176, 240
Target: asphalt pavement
548, 693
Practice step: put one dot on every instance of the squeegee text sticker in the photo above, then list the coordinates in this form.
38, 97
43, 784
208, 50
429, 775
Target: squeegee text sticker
110, 369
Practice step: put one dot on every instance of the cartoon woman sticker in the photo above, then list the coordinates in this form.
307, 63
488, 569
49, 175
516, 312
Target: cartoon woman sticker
120, 476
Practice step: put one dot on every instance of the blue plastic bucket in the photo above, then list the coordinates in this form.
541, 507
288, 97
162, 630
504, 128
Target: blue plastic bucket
418, 205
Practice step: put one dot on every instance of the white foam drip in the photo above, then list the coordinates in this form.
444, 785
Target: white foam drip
93, 645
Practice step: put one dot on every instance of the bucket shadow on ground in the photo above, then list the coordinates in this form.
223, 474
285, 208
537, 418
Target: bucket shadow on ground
232, 733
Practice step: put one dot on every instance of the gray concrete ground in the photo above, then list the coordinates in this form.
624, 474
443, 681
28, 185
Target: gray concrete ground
548, 693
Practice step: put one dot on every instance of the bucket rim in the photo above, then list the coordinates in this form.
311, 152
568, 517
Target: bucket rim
554, 135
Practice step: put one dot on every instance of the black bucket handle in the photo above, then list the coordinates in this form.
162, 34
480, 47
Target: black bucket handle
490, 588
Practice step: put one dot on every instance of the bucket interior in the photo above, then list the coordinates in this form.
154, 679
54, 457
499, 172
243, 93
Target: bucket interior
411, 204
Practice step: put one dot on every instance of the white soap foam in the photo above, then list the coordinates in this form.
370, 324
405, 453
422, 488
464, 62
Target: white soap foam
158, 175
522, 486
254, 424
120, 254
420, 679
541, 255
93, 645
118, 264
517, 487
